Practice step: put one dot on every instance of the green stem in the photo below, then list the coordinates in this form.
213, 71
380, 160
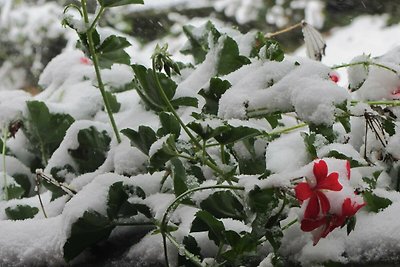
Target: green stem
172, 206
289, 129
222, 154
190, 256
171, 109
97, 70
289, 224
393, 103
5, 134
96, 19
365, 63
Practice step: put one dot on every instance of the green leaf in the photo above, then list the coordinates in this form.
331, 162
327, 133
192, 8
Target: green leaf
112, 51
351, 224
59, 173
198, 40
235, 134
44, 130
253, 164
273, 51
114, 3
326, 131
141, 139
206, 132
14, 191
21, 212
92, 149
229, 58
191, 245
309, 140
389, 126
337, 155
88, 230
112, 101
185, 101
205, 221
212, 96
273, 119
24, 181
169, 125
178, 176
224, 204
116, 198
118, 205
262, 200
148, 88
166, 152
375, 203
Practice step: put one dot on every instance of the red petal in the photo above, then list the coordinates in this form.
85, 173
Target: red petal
323, 202
308, 225
320, 170
303, 191
348, 209
330, 183
312, 210
348, 169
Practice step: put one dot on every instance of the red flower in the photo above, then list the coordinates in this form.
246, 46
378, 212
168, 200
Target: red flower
318, 201
396, 93
334, 77
348, 169
328, 223
85, 61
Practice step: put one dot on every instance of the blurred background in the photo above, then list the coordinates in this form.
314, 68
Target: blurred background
31, 33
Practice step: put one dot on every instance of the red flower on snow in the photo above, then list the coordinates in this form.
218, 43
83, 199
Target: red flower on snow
318, 202
85, 61
328, 223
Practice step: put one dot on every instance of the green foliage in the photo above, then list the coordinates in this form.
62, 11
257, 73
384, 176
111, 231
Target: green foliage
92, 149
179, 176
198, 45
375, 203
141, 139
163, 154
212, 95
149, 93
229, 57
21, 212
309, 140
112, 100
14, 191
224, 204
169, 125
89, 229
111, 51
45, 130
205, 221
113, 3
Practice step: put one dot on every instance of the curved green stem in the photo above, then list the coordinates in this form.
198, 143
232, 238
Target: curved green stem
5, 186
393, 103
365, 63
97, 69
96, 19
173, 205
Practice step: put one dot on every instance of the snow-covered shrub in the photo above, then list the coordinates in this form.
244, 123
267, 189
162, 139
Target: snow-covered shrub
245, 157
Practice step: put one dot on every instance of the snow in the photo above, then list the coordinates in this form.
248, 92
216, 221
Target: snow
296, 84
